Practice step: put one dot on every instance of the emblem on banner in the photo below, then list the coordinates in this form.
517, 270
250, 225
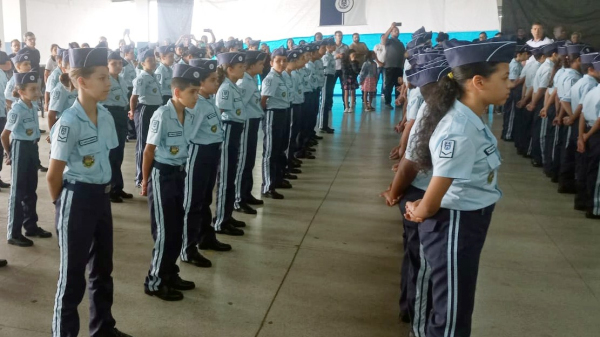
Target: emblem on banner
344, 6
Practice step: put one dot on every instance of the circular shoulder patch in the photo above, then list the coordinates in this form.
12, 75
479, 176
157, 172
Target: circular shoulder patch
196, 74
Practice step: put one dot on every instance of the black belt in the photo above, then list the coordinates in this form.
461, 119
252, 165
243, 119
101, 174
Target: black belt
166, 168
87, 187
116, 107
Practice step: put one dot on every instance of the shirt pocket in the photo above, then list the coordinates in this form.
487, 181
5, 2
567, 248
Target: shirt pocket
29, 126
89, 149
175, 142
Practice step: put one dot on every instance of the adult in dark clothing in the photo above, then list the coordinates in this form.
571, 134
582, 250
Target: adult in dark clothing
267, 68
394, 62
341, 49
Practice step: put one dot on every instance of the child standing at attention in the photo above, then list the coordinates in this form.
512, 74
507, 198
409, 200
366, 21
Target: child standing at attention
165, 158
23, 156
368, 80
145, 99
350, 70
164, 72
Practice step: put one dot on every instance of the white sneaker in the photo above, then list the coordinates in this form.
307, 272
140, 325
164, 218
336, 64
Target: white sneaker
346, 110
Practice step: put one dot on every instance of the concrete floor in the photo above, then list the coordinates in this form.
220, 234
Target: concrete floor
325, 261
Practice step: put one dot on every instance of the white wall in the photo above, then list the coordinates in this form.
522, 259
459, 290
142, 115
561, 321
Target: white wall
11, 20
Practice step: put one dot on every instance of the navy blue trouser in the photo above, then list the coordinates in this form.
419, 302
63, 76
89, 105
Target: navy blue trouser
286, 139
452, 243
305, 133
117, 154
551, 145
510, 122
244, 180
165, 199
141, 116
227, 171
274, 128
202, 167
22, 201
295, 131
591, 178
85, 237
326, 101
538, 134
2, 124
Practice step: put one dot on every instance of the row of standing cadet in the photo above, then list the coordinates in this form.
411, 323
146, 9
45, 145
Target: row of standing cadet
446, 180
551, 114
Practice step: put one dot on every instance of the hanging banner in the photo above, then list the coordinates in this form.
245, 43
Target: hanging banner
343, 12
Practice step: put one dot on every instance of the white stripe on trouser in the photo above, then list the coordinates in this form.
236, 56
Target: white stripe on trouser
187, 201
14, 158
241, 163
287, 151
268, 130
543, 138
140, 139
66, 199
568, 137
322, 107
159, 244
597, 194
421, 297
555, 142
511, 121
222, 192
530, 145
452, 274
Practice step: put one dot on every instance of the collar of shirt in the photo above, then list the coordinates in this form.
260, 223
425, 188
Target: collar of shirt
173, 112
249, 77
232, 85
471, 116
275, 73
102, 113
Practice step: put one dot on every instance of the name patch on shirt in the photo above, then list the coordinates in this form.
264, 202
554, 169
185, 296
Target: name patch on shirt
88, 141
63, 134
175, 134
28, 120
447, 150
225, 94
211, 116
490, 150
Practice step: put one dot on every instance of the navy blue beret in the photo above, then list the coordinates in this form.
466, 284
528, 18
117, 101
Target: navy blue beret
459, 53
88, 57
231, 58
26, 78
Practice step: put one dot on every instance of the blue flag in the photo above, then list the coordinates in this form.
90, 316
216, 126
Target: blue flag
343, 12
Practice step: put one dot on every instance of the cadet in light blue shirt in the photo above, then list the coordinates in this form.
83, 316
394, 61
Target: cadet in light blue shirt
165, 158
462, 153
54, 77
79, 183
204, 153
24, 130
328, 86
164, 73
61, 99
229, 101
4, 61
255, 61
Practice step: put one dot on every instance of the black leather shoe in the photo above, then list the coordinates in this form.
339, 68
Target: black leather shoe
311, 149
194, 257
4, 185
312, 143
112, 333
327, 130
237, 223
165, 293
566, 190
404, 317
309, 156
317, 137
273, 195
125, 195
591, 215
295, 171
251, 200
284, 184
42, 168
290, 176
579, 208
297, 161
245, 208
42, 130
40, 233
20, 241
116, 198
214, 244
536, 164
3, 263
228, 229
178, 283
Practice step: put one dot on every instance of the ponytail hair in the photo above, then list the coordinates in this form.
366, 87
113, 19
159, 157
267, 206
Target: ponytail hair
65, 79
222, 72
18, 87
440, 98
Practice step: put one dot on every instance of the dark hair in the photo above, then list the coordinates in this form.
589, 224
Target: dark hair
127, 49
222, 72
557, 66
65, 79
440, 98
537, 23
73, 45
585, 68
85, 44
538, 57
28, 34
483, 33
182, 83
15, 40
346, 58
52, 46
18, 87
441, 37
338, 31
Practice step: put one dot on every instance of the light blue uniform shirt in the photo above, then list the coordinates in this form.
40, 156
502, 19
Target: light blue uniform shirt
423, 178
530, 73
464, 149
53, 79
250, 96
147, 88
23, 122
206, 125
287, 79
542, 75
61, 99
118, 92
169, 136
580, 89
229, 101
566, 82
328, 64
274, 87
305, 73
415, 100
10, 86
3, 83
320, 73
558, 77
129, 74
83, 145
298, 92
164, 76
591, 106
312, 75
514, 70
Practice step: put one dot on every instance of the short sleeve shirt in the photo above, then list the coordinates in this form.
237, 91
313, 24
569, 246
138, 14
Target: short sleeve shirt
530, 75
568, 80
328, 64
543, 76
206, 125
298, 93
3, 83
415, 100
128, 73
515, 68
580, 89
23, 122
250, 96
229, 100
169, 135
10, 86
61, 99
275, 89
423, 178
394, 53
53, 79
591, 106
51, 64
147, 88
341, 49
164, 76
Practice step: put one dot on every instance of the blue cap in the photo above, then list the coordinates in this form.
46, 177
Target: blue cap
579, 49
145, 54
26, 78
164, 50
205, 65
459, 53
596, 65
293, 55
424, 58
181, 45
88, 57
65, 56
3, 57
231, 58
217, 45
423, 76
115, 55
254, 43
522, 48
196, 52
416, 42
231, 43
282, 52
22, 56
415, 51
549, 49
590, 58
418, 33
537, 51
299, 49
562, 51
186, 72
60, 52
329, 42
253, 56
412, 61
